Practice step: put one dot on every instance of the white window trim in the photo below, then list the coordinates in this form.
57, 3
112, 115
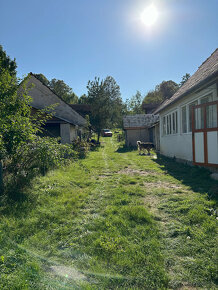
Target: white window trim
167, 118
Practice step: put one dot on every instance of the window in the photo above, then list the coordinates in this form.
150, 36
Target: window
184, 120
190, 106
170, 124
174, 123
164, 126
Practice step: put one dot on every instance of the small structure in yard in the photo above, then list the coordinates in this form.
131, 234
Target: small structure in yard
189, 119
136, 128
65, 122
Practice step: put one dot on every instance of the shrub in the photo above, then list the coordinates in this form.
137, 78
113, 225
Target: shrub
35, 158
81, 146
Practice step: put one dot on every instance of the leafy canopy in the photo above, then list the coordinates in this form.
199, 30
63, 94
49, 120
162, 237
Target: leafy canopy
162, 92
134, 105
106, 103
60, 88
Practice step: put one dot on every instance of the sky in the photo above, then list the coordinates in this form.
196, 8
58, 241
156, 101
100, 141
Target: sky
76, 40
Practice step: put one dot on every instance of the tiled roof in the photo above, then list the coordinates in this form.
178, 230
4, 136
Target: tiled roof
139, 121
205, 72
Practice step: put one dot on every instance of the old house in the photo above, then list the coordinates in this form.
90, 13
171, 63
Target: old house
66, 122
136, 128
189, 119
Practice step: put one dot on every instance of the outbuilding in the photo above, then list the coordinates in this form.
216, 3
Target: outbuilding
136, 128
65, 122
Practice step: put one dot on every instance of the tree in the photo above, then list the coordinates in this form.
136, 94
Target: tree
7, 63
105, 101
43, 79
134, 105
162, 92
184, 79
64, 91
167, 89
17, 125
60, 88
82, 99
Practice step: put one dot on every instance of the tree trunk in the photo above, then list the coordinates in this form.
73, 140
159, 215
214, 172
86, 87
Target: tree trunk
99, 136
1, 179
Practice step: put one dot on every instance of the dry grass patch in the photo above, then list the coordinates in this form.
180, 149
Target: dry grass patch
131, 171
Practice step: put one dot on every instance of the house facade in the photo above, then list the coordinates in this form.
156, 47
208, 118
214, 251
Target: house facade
189, 119
136, 128
65, 122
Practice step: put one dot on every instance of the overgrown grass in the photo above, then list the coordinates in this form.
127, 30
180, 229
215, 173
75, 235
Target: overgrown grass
113, 220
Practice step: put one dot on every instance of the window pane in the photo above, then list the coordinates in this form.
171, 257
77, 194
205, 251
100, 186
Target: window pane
190, 114
170, 125
184, 120
164, 125
211, 121
176, 123
199, 118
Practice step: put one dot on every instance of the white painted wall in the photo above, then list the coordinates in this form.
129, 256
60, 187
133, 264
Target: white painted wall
68, 133
180, 145
43, 97
212, 147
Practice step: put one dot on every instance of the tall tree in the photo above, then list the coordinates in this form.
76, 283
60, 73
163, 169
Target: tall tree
163, 91
7, 63
64, 91
83, 99
43, 79
134, 105
184, 79
105, 101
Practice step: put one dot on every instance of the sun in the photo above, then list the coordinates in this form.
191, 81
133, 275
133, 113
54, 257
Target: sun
149, 16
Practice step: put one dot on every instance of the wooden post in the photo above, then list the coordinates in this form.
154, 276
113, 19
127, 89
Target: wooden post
1, 179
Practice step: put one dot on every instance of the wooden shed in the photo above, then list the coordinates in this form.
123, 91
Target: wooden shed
136, 128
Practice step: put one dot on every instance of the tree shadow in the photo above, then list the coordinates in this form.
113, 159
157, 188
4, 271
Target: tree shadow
197, 178
124, 149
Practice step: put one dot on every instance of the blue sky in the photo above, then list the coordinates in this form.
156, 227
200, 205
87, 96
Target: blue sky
78, 40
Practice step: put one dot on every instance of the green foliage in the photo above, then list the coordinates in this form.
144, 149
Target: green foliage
60, 88
32, 159
184, 79
15, 115
106, 103
83, 99
134, 105
6, 63
64, 91
43, 79
162, 92
81, 146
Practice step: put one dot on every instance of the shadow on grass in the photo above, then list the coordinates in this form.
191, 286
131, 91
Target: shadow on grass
198, 179
124, 149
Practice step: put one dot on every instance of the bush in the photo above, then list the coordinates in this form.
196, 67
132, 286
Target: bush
81, 146
35, 158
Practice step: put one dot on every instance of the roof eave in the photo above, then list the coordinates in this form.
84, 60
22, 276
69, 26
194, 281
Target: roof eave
191, 90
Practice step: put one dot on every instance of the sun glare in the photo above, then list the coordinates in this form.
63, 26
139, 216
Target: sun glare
149, 15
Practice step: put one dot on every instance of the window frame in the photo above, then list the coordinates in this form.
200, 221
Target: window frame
170, 123
187, 106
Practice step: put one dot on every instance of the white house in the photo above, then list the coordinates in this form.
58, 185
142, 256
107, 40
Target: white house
66, 122
189, 119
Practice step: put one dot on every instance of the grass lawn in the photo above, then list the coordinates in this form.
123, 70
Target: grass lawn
115, 220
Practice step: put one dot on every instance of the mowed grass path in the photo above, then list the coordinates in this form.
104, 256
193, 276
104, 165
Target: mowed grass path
115, 220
